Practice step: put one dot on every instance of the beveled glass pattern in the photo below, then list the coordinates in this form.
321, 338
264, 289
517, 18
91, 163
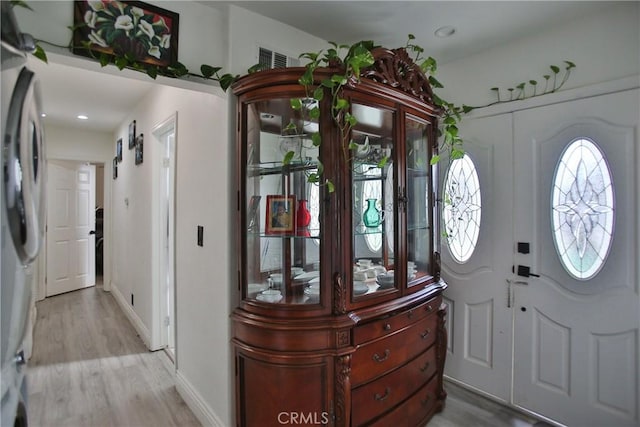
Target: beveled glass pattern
582, 209
462, 208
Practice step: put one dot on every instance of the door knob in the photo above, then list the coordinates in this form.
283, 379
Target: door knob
525, 271
92, 232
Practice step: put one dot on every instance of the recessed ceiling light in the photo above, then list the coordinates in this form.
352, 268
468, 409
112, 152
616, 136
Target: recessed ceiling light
83, 117
445, 31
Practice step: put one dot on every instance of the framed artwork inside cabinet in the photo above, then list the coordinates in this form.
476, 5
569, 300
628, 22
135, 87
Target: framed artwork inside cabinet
280, 217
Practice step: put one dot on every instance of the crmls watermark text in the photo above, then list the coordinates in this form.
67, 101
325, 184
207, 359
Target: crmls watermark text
302, 418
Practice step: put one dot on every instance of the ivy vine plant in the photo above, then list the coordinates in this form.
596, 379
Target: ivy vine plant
355, 59
128, 61
552, 83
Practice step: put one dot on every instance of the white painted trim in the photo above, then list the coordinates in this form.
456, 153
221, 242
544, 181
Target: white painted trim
158, 268
196, 403
132, 316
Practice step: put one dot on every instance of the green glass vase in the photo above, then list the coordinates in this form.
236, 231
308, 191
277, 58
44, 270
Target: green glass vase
371, 217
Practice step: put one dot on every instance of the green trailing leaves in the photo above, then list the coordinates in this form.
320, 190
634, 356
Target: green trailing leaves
530, 88
288, 157
208, 71
40, 54
21, 3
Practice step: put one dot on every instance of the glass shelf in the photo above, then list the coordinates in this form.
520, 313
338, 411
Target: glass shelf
277, 168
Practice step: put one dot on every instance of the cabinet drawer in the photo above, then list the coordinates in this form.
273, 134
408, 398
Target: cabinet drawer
412, 411
394, 323
378, 357
375, 398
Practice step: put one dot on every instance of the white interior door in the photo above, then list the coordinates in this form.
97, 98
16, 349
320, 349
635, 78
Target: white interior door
70, 221
576, 349
479, 320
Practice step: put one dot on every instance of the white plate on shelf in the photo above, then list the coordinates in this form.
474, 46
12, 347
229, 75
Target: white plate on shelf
307, 276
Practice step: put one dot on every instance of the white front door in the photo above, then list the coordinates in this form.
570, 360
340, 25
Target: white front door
477, 262
576, 328
70, 221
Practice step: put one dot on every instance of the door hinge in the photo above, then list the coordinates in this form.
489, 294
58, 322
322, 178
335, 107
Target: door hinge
167, 321
166, 162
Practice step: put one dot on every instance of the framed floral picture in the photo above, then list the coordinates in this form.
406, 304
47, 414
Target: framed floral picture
137, 31
281, 214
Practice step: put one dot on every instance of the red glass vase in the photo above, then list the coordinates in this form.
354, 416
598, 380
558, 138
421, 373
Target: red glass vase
303, 218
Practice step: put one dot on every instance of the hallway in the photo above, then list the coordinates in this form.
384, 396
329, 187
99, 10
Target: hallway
89, 368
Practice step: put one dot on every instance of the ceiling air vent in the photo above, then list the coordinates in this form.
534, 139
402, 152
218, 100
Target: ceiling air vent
271, 59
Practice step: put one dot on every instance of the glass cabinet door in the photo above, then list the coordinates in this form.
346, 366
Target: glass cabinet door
418, 198
373, 185
282, 247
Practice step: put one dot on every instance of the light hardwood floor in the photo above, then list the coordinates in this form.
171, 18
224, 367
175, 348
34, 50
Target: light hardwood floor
89, 368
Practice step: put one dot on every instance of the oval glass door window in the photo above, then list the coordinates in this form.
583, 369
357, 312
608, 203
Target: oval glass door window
582, 209
462, 208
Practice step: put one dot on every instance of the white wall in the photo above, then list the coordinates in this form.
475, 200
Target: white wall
604, 46
248, 31
202, 281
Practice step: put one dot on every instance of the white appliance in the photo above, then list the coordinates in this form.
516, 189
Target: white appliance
21, 208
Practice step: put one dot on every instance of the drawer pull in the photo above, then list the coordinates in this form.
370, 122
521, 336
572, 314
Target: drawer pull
425, 367
383, 358
429, 308
425, 334
380, 398
410, 314
387, 327
426, 401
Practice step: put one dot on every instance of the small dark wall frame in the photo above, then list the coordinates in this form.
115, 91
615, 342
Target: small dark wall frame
119, 149
139, 148
141, 32
132, 134
115, 167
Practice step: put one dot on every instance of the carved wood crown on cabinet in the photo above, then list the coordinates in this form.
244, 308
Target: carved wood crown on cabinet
323, 332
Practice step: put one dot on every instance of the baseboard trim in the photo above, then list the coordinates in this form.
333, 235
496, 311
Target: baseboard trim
194, 401
133, 317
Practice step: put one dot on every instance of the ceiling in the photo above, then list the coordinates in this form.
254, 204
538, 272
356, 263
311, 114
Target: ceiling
106, 98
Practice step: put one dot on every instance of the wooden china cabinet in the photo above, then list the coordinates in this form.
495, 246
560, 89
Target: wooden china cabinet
339, 318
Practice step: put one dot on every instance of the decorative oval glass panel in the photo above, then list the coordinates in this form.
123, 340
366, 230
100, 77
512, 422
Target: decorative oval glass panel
582, 209
462, 208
